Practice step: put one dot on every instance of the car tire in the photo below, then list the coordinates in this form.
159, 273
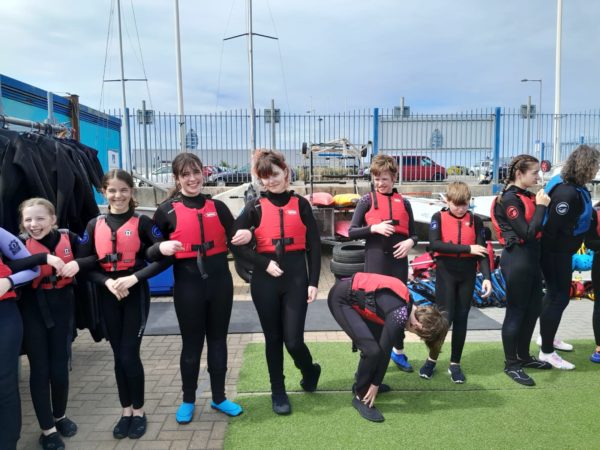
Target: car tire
438, 177
349, 252
220, 183
345, 269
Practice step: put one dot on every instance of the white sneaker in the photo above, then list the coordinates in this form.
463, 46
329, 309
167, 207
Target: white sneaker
556, 361
558, 345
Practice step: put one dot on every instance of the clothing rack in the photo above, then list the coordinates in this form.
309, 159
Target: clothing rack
47, 128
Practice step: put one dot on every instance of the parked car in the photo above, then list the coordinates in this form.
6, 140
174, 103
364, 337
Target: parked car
232, 177
420, 168
457, 170
163, 175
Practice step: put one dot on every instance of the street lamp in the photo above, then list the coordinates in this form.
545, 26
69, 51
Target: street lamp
539, 128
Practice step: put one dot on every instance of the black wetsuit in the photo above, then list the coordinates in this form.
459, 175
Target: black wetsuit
203, 306
379, 250
558, 246
48, 316
520, 265
373, 340
592, 242
125, 319
281, 301
455, 280
15, 256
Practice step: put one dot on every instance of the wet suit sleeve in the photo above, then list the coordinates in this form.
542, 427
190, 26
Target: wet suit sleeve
358, 227
250, 219
313, 241
412, 233
13, 249
226, 219
165, 227
395, 318
484, 263
85, 264
435, 239
150, 234
592, 239
563, 197
514, 212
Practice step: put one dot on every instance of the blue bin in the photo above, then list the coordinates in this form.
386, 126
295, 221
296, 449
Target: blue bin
162, 284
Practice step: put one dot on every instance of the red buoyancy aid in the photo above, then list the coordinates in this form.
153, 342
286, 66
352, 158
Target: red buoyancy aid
597, 221
47, 279
199, 229
4, 273
460, 231
116, 250
280, 224
528, 204
365, 286
389, 207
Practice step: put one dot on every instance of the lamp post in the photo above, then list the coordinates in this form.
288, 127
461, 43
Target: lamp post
539, 113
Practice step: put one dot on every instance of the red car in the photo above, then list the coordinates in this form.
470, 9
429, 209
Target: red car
420, 168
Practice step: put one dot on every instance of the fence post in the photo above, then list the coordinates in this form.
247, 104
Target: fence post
495, 186
375, 132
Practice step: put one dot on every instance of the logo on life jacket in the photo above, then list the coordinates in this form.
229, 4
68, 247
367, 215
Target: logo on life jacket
512, 212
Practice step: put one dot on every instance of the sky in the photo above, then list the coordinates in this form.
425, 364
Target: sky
331, 55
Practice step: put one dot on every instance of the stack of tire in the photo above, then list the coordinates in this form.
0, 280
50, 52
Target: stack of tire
348, 258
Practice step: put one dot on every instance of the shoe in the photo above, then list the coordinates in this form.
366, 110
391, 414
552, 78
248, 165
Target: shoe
383, 388
595, 358
66, 427
185, 413
556, 361
371, 414
401, 361
456, 374
281, 404
121, 429
518, 375
138, 427
227, 407
558, 345
52, 442
533, 363
427, 370
309, 382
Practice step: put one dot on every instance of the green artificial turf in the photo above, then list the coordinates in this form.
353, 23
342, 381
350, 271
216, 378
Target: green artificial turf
489, 411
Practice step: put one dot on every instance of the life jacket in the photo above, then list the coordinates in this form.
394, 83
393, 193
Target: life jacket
281, 228
116, 250
597, 221
528, 204
584, 220
364, 289
5, 272
47, 278
199, 230
460, 231
388, 207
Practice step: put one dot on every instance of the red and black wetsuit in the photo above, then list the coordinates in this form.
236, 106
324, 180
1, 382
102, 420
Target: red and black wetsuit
374, 339
281, 301
203, 305
124, 319
450, 238
379, 250
518, 222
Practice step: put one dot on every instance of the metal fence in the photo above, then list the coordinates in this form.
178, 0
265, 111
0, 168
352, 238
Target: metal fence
461, 143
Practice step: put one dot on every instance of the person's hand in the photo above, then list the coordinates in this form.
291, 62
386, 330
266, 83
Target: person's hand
119, 294
384, 228
55, 261
241, 237
486, 288
169, 248
402, 248
312, 294
69, 270
5, 286
541, 198
369, 398
124, 283
274, 270
478, 250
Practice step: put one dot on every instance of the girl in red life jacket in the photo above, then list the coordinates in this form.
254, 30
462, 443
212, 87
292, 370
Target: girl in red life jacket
199, 230
592, 242
16, 269
385, 220
119, 241
457, 238
47, 308
287, 238
373, 310
517, 216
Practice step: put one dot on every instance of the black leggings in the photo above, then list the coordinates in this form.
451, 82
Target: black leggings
382, 261
281, 306
203, 309
11, 335
596, 284
453, 295
521, 271
557, 269
48, 351
123, 321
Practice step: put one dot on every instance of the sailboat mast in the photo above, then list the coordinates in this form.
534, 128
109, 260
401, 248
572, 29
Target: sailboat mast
251, 72
180, 112
125, 155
